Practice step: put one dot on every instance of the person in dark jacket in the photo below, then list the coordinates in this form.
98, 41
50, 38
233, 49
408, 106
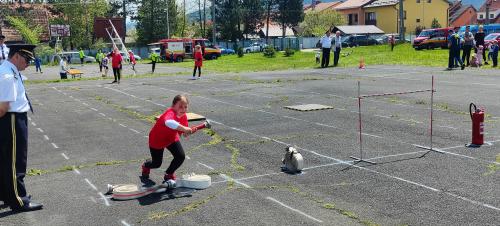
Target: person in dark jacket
479, 37
454, 50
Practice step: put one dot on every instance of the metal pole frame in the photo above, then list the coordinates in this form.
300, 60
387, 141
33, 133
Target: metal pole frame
360, 121
431, 148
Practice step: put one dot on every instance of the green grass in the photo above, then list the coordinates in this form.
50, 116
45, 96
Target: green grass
403, 54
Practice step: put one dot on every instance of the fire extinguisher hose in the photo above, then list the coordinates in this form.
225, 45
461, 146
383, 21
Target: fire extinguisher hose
470, 109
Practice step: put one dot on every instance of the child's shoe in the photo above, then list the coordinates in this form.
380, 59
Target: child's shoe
169, 177
145, 171
169, 184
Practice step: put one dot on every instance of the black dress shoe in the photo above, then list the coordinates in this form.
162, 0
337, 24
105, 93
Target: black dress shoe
31, 206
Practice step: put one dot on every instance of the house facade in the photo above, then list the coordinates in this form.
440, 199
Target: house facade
385, 13
494, 11
465, 15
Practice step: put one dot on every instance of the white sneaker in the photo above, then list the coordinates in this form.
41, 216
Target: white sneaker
169, 184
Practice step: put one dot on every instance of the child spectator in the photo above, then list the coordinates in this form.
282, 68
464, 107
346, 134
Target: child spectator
38, 64
494, 56
105, 63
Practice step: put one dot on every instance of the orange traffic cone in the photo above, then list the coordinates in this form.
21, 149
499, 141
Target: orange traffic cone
362, 63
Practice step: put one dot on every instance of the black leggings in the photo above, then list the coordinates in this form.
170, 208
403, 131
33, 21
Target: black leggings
117, 73
157, 157
199, 71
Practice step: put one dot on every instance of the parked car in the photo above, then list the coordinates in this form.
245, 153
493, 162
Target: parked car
74, 58
227, 51
432, 38
358, 40
255, 47
384, 39
126, 56
489, 38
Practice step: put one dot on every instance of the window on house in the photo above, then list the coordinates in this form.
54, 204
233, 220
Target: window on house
370, 18
404, 14
481, 16
356, 18
492, 16
429, 1
418, 1
418, 20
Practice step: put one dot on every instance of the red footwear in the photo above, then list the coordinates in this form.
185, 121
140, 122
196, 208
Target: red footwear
145, 171
169, 177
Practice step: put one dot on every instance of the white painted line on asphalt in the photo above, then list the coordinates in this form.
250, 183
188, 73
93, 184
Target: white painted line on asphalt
228, 178
40, 129
93, 109
473, 201
135, 131
382, 116
341, 161
54, 145
90, 184
119, 91
65, 156
85, 104
187, 157
106, 202
207, 166
146, 136
448, 127
123, 125
295, 210
76, 170
371, 135
93, 199
102, 114
45, 137
32, 123
125, 223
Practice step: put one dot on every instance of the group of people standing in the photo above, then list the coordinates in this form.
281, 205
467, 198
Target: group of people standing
469, 42
329, 42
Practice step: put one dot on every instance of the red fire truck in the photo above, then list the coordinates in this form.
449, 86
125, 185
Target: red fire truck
178, 49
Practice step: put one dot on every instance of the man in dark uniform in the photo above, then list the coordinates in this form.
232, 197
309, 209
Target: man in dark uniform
14, 105
454, 42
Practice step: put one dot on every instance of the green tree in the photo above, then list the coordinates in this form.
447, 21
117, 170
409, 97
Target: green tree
30, 34
228, 15
317, 23
289, 14
252, 14
435, 23
152, 20
124, 9
80, 16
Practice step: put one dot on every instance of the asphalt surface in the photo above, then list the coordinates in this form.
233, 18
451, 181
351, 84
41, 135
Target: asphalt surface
87, 134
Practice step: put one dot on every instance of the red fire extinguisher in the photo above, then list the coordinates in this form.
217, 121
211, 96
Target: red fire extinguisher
477, 117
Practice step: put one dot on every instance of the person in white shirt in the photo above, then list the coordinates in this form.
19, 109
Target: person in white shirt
4, 50
63, 68
14, 105
337, 46
326, 45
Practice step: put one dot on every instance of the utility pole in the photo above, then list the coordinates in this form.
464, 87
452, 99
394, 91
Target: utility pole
401, 21
214, 41
487, 20
168, 23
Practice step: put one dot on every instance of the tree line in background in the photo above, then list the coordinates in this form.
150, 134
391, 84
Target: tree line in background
158, 19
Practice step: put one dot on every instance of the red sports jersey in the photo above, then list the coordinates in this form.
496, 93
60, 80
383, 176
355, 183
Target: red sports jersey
160, 135
117, 60
198, 57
